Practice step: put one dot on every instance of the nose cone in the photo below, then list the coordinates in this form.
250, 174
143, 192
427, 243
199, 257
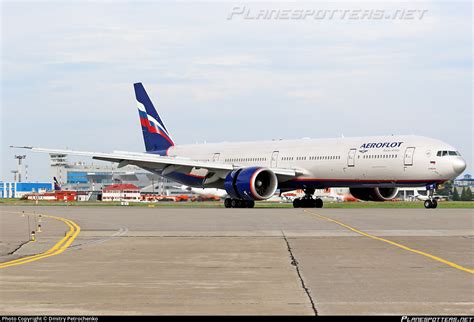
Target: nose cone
459, 165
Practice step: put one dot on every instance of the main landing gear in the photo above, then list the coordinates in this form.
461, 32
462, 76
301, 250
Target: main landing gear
431, 203
308, 201
238, 203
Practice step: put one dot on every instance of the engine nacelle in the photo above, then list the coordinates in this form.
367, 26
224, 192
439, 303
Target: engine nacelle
253, 183
374, 194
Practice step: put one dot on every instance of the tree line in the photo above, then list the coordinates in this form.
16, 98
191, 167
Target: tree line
448, 189
466, 194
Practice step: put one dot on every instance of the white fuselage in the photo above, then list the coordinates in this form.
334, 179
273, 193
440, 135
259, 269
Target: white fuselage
384, 161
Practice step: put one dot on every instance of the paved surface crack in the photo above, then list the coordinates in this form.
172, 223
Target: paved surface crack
18, 248
294, 262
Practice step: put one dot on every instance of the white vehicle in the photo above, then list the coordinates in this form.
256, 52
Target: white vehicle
220, 193
372, 167
435, 196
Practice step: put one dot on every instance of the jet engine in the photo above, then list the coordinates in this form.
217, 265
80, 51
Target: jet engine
252, 183
374, 194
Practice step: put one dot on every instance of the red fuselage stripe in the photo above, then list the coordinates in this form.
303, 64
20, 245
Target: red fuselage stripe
366, 181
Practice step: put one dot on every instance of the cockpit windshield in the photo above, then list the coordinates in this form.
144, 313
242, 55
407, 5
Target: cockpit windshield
445, 153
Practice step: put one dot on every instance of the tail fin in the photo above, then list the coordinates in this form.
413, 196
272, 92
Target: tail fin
57, 187
156, 136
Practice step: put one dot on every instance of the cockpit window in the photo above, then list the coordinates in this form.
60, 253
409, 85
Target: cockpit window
444, 153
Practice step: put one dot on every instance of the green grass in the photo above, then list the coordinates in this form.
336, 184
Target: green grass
217, 204
399, 204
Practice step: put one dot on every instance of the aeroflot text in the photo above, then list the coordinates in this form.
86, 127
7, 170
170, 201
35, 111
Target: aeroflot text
381, 145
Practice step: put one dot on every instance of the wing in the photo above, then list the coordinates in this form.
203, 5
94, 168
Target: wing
164, 164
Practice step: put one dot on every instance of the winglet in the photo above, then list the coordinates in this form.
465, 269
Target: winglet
21, 147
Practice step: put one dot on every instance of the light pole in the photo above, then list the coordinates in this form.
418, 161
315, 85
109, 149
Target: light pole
15, 172
20, 160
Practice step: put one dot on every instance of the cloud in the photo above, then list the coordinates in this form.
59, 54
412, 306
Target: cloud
311, 95
243, 60
68, 70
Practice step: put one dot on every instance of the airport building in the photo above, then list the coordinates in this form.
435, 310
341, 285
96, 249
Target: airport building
19, 189
80, 176
62, 195
465, 181
94, 177
121, 192
89, 181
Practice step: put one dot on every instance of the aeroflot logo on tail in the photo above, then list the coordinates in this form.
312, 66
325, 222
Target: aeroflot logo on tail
381, 145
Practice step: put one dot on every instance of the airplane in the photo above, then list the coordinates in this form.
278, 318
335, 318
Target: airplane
219, 193
328, 194
371, 167
422, 197
335, 195
57, 186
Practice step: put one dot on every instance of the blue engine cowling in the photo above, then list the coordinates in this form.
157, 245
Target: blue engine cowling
253, 183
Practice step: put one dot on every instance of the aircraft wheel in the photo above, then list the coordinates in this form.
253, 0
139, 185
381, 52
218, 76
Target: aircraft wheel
318, 203
435, 204
228, 202
250, 204
297, 203
234, 203
309, 203
428, 204
241, 203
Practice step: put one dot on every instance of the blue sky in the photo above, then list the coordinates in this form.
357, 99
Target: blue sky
67, 70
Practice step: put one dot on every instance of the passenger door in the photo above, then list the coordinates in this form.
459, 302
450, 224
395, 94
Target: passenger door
408, 159
216, 157
351, 157
274, 160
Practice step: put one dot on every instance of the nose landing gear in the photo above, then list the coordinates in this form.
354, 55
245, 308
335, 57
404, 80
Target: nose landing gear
431, 203
308, 201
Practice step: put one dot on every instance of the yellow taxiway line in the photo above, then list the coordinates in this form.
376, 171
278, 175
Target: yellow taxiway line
433, 257
57, 249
